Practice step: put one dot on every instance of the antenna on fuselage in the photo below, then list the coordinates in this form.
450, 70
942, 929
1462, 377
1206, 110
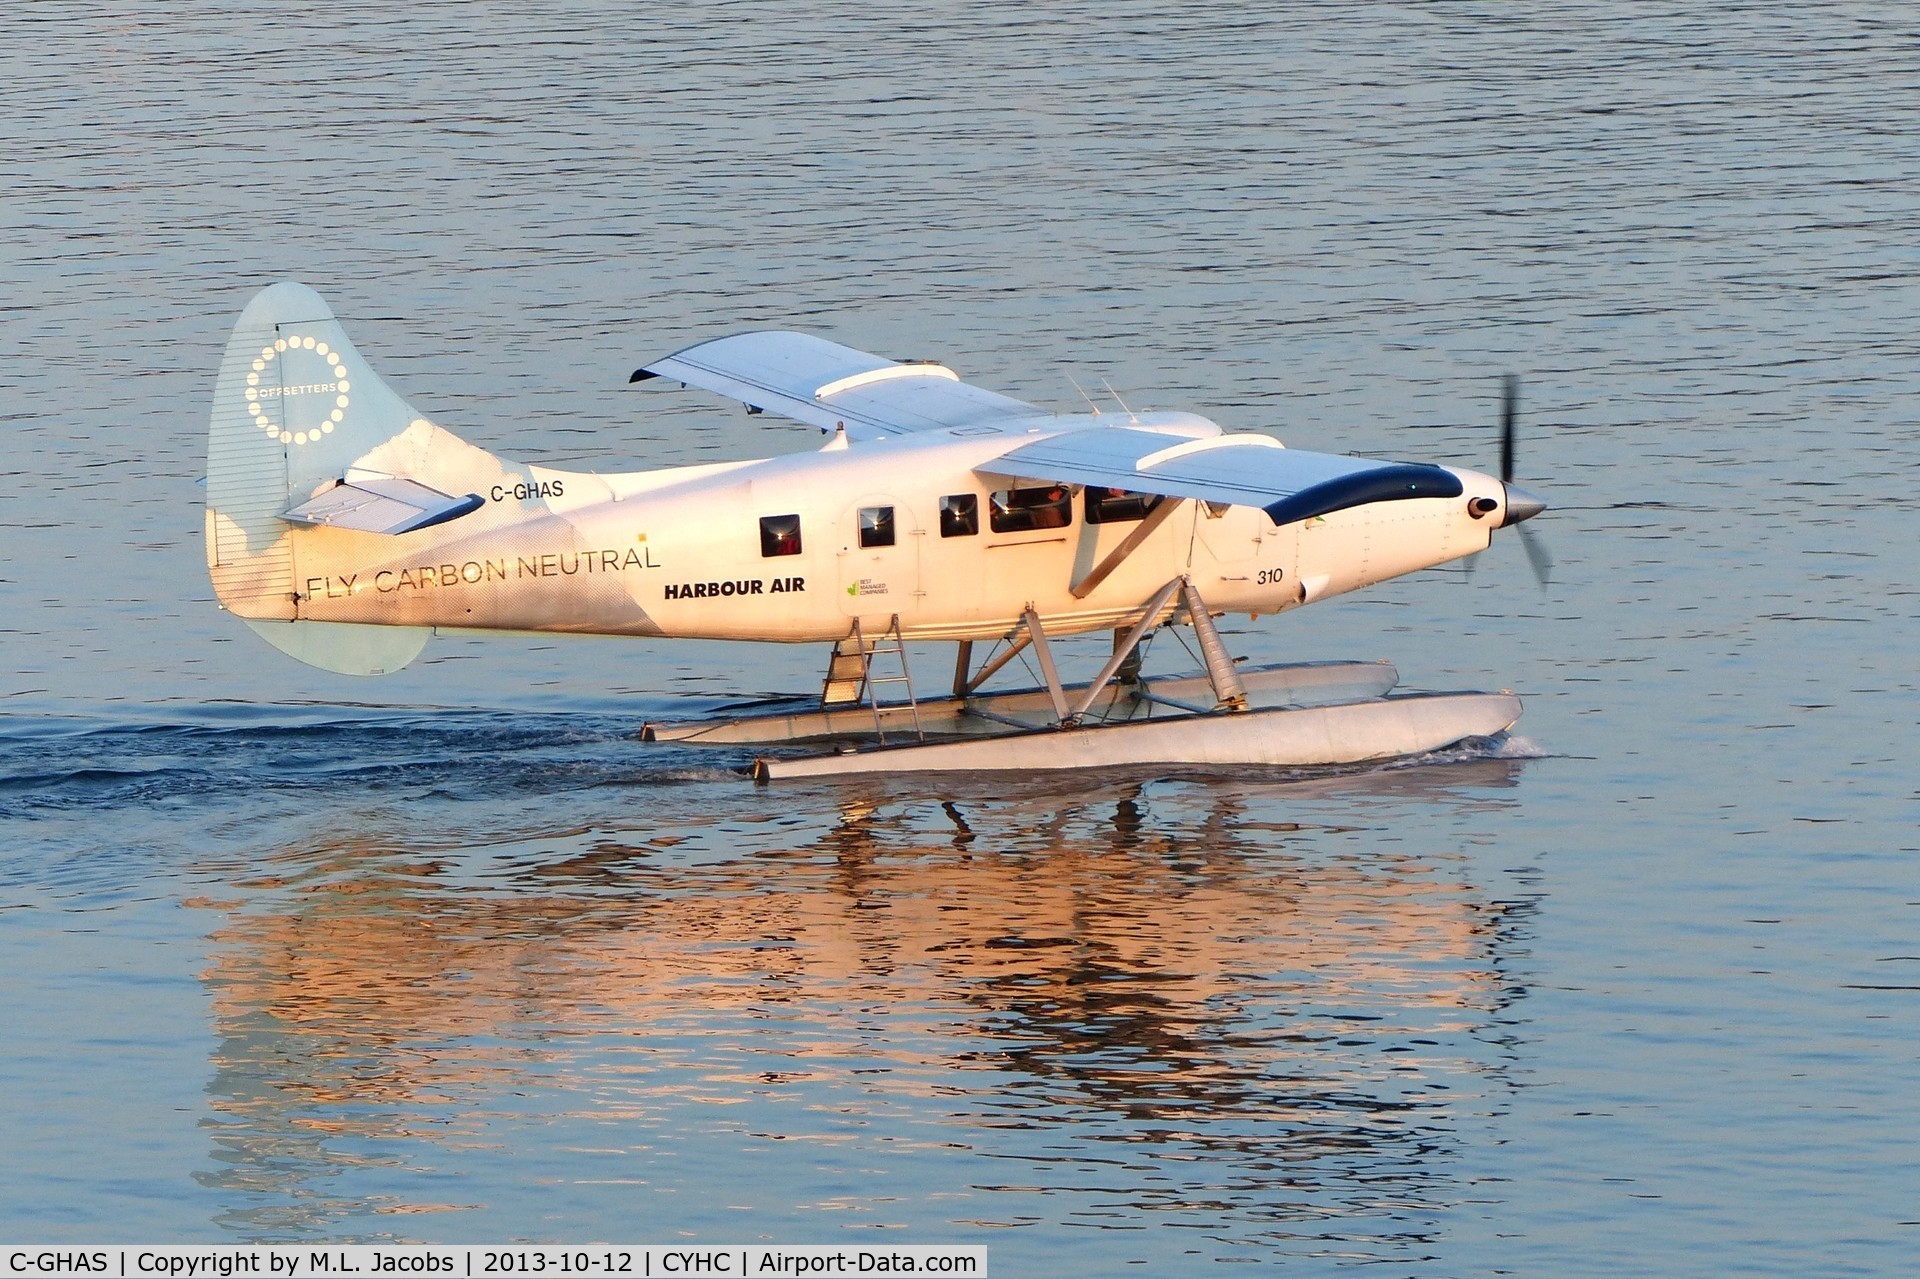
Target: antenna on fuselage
1131, 415
1084, 395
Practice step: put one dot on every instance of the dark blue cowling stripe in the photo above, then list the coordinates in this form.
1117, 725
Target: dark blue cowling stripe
1393, 483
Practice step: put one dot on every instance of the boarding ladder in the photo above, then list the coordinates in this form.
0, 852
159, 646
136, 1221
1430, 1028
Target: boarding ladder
853, 678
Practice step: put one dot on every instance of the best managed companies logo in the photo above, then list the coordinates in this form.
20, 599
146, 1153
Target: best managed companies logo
297, 390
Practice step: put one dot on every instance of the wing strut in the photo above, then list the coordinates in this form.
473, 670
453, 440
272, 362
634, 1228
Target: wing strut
1145, 529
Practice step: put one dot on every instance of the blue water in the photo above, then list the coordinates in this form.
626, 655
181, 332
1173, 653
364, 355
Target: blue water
453, 956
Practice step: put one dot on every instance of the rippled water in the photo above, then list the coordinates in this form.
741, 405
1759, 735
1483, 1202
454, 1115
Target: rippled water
451, 955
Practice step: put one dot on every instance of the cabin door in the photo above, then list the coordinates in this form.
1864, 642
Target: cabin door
879, 561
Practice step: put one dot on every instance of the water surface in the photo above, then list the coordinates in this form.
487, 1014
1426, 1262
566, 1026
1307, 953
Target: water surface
450, 955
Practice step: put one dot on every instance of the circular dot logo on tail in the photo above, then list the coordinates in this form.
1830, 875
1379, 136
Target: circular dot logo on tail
297, 390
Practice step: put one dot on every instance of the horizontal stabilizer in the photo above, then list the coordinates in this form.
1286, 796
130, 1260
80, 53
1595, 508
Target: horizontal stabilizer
1235, 470
381, 504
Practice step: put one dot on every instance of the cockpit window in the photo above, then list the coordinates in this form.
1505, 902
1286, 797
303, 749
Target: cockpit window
876, 526
959, 515
1114, 506
779, 535
1018, 510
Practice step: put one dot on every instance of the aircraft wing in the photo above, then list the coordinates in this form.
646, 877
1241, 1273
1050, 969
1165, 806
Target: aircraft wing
828, 385
1237, 470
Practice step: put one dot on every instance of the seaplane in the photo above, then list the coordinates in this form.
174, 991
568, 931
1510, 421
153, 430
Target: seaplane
346, 528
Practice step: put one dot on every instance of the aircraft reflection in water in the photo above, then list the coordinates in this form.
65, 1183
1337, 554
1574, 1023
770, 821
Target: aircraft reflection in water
1028, 978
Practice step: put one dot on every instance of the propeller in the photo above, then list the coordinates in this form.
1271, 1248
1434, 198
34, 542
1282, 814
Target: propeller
1521, 505
1509, 406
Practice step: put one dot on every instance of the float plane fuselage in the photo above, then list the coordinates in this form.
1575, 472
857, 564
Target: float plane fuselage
345, 526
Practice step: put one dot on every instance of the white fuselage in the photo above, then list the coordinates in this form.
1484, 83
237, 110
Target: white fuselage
682, 552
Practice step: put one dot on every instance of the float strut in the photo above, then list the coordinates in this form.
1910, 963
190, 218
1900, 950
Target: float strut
1129, 672
1125, 647
1042, 651
1231, 695
1016, 643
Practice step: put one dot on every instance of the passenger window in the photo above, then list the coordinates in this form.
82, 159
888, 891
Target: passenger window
876, 526
1114, 506
959, 515
779, 535
1018, 510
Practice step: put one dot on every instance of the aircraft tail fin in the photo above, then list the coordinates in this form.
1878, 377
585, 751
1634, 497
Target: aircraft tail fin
296, 412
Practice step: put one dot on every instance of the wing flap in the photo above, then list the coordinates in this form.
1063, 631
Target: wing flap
380, 504
824, 384
1237, 470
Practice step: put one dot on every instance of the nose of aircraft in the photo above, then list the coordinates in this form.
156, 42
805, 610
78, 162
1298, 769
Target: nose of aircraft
1521, 505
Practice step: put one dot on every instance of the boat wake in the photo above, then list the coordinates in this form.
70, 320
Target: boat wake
438, 754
